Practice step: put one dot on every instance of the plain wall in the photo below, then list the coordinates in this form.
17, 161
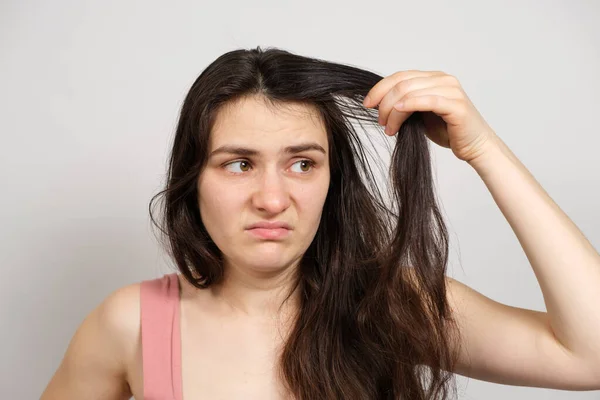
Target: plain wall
89, 97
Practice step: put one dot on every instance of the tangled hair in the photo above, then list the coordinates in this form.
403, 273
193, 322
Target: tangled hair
374, 319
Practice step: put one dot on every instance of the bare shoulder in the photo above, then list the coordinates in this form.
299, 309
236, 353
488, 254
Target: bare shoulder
102, 350
121, 316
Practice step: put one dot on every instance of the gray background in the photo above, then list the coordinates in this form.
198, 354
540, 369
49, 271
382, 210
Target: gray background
89, 98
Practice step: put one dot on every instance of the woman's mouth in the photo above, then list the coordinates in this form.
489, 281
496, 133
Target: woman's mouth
266, 233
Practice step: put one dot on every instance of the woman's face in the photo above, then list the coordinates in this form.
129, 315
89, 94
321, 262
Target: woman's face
265, 183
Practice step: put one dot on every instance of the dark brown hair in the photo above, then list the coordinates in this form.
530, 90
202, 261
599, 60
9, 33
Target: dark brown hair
374, 322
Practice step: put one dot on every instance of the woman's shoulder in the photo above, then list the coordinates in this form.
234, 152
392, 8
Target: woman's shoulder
120, 314
121, 311
104, 349
123, 306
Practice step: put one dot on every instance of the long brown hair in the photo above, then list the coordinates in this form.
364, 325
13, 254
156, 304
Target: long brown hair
374, 322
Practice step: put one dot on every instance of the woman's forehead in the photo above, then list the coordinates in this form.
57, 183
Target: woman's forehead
250, 123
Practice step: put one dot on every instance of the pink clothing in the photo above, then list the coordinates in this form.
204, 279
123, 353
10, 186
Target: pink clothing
161, 339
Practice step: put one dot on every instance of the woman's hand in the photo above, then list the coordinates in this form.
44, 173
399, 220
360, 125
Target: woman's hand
451, 119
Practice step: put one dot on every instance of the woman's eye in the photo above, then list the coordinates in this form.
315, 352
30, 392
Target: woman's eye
238, 162
309, 164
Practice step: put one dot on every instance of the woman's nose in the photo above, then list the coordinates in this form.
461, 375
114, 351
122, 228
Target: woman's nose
272, 193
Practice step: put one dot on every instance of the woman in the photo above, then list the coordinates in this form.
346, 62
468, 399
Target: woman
298, 280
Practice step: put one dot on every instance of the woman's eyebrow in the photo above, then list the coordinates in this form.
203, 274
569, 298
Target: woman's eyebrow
245, 151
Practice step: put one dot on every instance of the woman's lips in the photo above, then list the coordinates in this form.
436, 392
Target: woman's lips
265, 233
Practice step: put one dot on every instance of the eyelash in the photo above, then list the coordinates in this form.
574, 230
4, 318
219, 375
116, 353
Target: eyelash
310, 163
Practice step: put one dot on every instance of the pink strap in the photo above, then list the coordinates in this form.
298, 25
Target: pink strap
161, 339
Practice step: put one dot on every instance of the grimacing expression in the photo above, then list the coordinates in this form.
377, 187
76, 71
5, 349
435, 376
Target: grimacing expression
264, 164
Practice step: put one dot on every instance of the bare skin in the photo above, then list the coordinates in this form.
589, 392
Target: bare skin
224, 355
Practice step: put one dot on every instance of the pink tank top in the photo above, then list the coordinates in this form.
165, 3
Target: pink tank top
161, 339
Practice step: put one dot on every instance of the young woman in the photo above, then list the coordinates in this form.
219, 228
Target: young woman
298, 280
